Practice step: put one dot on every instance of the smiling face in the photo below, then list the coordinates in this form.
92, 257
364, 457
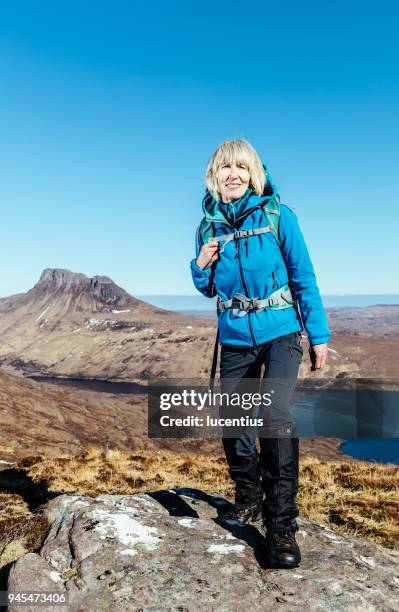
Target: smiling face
232, 168
233, 180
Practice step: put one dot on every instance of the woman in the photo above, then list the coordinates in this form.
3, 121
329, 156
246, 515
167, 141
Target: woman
251, 253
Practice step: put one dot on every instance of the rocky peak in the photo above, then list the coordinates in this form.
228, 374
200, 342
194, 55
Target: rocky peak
99, 288
60, 278
98, 291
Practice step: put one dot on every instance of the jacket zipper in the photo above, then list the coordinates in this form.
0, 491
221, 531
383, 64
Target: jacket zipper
244, 284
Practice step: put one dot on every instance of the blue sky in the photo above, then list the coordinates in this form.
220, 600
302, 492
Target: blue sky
110, 110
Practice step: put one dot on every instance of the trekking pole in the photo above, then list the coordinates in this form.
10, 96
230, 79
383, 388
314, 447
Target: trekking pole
214, 362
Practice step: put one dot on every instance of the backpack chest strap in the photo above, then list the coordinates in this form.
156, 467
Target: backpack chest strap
226, 238
241, 304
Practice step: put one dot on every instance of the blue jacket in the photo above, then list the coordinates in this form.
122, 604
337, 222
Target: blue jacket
256, 267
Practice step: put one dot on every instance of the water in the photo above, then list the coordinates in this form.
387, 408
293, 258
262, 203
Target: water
340, 415
192, 303
91, 384
373, 449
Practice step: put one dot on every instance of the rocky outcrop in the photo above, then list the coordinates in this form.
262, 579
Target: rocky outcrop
96, 294
169, 551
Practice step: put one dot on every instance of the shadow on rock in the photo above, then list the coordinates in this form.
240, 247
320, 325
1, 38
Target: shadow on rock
172, 501
17, 481
175, 505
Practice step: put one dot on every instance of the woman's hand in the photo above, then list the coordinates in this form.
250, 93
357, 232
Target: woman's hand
208, 254
318, 355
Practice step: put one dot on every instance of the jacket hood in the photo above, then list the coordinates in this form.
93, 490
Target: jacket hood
214, 210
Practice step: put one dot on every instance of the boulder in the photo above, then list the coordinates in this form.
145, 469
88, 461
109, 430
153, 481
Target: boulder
168, 550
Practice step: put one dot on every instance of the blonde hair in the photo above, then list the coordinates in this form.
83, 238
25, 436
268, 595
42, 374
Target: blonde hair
235, 151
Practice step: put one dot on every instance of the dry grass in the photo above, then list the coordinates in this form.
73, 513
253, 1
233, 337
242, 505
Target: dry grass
113, 471
354, 498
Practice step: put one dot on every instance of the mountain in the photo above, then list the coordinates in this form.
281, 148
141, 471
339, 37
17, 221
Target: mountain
96, 294
61, 292
71, 325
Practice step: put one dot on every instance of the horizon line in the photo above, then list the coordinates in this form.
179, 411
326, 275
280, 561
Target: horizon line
322, 294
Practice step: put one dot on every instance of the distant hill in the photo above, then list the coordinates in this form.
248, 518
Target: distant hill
382, 319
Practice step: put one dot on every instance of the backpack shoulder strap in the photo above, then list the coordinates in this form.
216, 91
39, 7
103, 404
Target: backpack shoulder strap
271, 209
205, 231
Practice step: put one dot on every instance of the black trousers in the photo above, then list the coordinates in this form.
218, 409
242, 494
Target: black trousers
274, 471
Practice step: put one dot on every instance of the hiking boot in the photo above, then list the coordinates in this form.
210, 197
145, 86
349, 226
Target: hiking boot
243, 514
282, 549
